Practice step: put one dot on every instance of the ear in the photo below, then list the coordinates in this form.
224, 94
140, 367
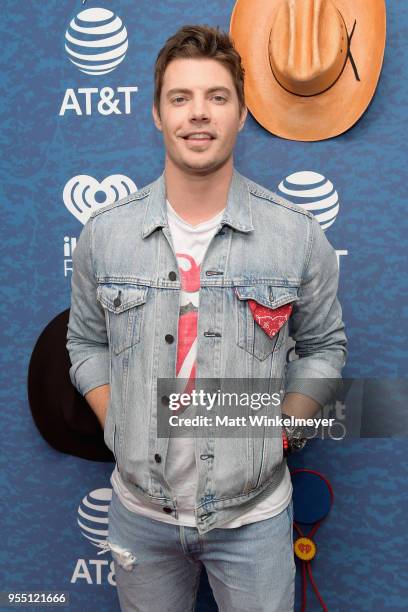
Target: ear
243, 117
156, 118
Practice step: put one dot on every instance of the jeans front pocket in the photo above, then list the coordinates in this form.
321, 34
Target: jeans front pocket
124, 308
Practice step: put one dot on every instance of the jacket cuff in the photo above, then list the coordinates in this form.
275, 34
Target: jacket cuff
91, 372
316, 379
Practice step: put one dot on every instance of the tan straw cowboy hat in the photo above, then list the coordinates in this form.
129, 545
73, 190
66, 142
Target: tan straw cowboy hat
311, 66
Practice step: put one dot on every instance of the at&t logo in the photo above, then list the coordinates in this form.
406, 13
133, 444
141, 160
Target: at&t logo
82, 101
93, 523
96, 42
315, 193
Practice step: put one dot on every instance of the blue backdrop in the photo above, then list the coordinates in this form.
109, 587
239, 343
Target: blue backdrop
70, 145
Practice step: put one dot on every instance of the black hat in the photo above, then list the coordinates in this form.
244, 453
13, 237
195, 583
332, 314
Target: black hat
62, 415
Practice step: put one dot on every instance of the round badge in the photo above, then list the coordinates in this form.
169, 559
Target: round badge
305, 549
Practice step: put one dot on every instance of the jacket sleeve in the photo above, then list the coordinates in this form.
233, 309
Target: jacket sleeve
316, 324
87, 340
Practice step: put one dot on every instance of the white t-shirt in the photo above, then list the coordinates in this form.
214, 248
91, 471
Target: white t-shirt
190, 244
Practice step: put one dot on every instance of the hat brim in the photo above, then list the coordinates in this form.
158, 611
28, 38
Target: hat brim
63, 417
316, 117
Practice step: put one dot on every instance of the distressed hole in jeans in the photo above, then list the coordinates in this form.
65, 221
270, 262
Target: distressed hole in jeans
124, 558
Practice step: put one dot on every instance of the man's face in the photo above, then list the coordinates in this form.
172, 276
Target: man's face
199, 114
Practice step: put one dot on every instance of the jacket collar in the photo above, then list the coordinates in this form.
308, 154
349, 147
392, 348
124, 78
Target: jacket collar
237, 213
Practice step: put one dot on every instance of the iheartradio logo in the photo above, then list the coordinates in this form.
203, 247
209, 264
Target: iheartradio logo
83, 194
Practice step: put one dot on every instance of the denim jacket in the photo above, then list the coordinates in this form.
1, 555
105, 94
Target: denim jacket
125, 300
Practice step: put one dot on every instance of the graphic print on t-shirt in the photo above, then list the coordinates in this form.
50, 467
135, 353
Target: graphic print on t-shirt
188, 319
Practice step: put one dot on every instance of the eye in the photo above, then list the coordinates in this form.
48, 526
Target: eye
178, 99
219, 99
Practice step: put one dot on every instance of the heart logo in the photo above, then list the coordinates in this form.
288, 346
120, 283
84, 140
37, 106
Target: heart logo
83, 194
305, 548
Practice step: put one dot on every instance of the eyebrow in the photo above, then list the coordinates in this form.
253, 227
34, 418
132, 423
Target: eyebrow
188, 91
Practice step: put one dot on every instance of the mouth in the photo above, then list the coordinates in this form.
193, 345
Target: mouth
198, 137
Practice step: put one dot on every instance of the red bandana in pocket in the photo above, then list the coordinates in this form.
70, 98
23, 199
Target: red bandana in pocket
270, 319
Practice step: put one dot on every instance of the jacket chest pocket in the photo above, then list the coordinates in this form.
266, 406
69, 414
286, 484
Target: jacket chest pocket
262, 334
124, 310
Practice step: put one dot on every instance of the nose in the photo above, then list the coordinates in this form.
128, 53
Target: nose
199, 112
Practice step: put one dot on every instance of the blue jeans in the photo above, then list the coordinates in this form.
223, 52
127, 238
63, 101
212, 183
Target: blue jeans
157, 565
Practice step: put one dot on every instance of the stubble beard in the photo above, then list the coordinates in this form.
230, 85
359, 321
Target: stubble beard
202, 168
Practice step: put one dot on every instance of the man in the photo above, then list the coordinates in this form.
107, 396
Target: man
200, 239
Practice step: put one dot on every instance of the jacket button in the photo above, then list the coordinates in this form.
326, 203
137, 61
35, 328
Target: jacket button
165, 400
157, 458
172, 276
117, 302
169, 338
167, 510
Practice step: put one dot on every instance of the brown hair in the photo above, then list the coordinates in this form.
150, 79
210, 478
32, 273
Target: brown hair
200, 41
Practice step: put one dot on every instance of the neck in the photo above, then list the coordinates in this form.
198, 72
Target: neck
194, 197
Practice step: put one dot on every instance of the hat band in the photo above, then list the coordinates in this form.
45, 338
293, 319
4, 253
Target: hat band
348, 56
